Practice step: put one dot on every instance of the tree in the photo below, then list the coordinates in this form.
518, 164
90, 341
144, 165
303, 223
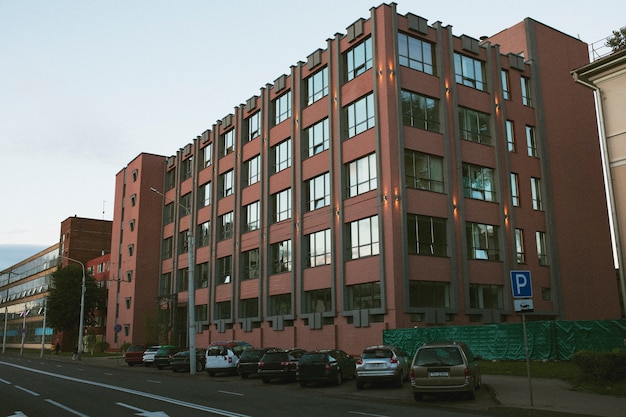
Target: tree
64, 301
618, 40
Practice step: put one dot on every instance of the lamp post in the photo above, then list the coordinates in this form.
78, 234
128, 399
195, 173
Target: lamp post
191, 288
82, 309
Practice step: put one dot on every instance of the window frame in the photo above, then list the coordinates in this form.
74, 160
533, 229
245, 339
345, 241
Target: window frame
360, 116
416, 54
364, 238
413, 171
361, 175
358, 59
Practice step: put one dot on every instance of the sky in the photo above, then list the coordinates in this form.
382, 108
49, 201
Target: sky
87, 85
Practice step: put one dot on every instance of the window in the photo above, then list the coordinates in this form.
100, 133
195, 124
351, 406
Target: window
280, 305
224, 270
317, 138
535, 189
223, 310
482, 241
282, 108
250, 264
470, 72
252, 171
527, 98
318, 191
226, 226
363, 296
207, 155
317, 301
479, 182
415, 53
429, 294
135, 175
165, 284
520, 257
282, 205
362, 175
204, 195
228, 142
182, 280
506, 91
168, 213
474, 126
202, 275
282, 155
364, 238
249, 307
131, 225
358, 59
202, 312
542, 251
252, 213
203, 235
427, 235
226, 183
423, 171
360, 115
254, 126
510, 136
281, 256
170, 179
131, 249
319, 249
531, 142
420, 111
486, 296
167, 247
515, 189
183, 242
133, 200
186, 169
317, 86
185, 206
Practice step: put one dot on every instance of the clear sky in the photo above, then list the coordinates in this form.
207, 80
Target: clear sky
86, 85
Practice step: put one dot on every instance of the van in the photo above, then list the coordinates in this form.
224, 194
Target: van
223, 357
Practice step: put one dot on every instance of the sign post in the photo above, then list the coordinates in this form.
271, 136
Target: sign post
522, 294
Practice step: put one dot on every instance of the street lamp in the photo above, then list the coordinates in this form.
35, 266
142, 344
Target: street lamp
191, 289
82, 309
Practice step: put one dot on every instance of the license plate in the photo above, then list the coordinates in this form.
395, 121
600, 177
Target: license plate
436, 374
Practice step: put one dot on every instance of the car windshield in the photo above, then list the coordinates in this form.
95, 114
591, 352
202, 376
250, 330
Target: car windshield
439, 356
377, 354
313, 357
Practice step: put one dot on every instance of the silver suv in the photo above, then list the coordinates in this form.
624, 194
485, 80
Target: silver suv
382, 363
445, 367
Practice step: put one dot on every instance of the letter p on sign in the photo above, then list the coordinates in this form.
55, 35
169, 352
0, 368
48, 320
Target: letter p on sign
521, 285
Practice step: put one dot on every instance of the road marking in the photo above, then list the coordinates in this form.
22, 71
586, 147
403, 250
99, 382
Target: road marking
174, 401
231, 393
5, 381
27, 390
366, 414
153, 381
19, 414
144, 413
66, 408
108, 373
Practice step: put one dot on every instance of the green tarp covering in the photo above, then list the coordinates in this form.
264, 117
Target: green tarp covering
547, 340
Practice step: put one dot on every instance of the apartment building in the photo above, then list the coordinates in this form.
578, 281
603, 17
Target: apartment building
393, 179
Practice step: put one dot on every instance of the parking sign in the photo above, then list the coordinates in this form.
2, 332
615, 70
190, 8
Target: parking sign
520, 284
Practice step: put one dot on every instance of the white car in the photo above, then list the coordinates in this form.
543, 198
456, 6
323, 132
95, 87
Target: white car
148, 355
223, 357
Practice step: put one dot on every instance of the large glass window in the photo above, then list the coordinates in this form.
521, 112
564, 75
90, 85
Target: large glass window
542, 249
416, 53
281, 256
228, 142
364, 296
167, 248
317, 86
360, 116
227, 183
318, 191
224, 270
358, 59
203, 234
527, 98
207, 155
531, 142
253, 216
282, 108
202, 275
318, 301
186, 169
282, 155
254, 126
319, 248
226, 226
470, 72
535, 189
429, 294
168, 213
479, 182
427, 235
515, 189
420, 111
249, 307
510, 136
483, 241
250, 264
204, 195
520, 255
282, 205
506, 91
252, 171
423, 171
474, 126
280, 305
362, 175
364, 238
223, 310
486, 296
317, 138
185, 206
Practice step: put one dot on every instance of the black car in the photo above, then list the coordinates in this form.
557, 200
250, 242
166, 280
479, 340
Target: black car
249, 361
331, 366
180, 362
279, 364
164, 355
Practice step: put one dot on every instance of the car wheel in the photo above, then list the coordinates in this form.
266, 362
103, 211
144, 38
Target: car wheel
199, 366
339, 378
400, 380
360, 384
418, 396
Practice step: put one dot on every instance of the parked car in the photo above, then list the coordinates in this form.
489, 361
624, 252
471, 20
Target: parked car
224, 356
163, 356
148, 355
180, 362
248, 363
331, 366
134, 354
383, 363
279, 364
440, 367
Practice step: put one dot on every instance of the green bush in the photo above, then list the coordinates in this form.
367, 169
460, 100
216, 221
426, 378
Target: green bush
101, 347
601, 367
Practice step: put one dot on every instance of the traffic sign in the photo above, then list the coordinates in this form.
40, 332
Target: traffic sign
118, 328
520, 284
523, 305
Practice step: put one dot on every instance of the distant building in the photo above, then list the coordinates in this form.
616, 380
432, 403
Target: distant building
394, 179
100, 269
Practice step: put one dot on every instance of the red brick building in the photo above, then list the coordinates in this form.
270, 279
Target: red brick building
394, 179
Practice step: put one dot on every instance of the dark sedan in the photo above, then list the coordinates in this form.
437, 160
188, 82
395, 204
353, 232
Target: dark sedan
330, 366
164, 355
180, 361
279, 364
249, 361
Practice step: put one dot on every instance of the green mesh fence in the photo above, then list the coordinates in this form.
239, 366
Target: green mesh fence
549, 340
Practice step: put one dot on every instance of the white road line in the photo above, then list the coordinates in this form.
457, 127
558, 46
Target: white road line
5, 381
131, 407
27, 390
153, 381
69, 410
366, 414
231, 393
108, 373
